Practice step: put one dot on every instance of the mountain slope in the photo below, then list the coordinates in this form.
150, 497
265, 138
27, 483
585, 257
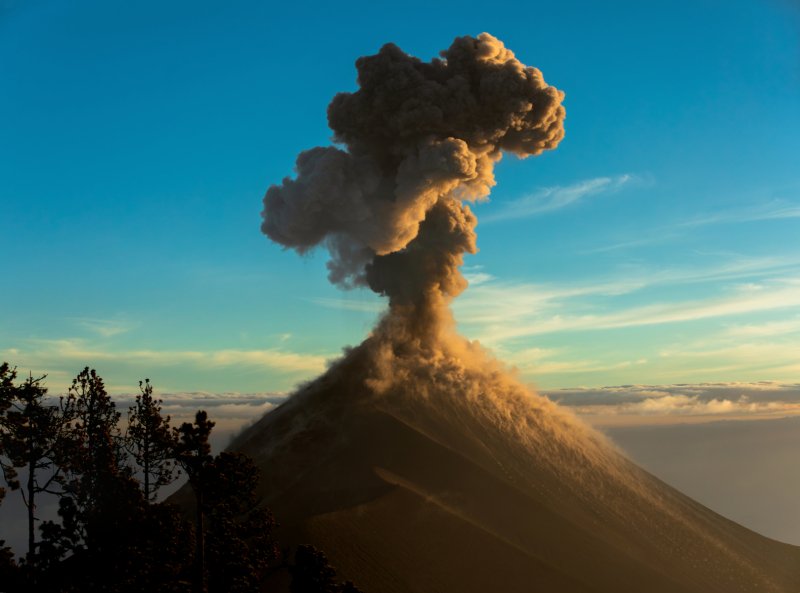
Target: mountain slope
436, 490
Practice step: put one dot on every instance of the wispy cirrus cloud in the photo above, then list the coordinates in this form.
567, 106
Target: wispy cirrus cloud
106, 328
775, 210
272, 357
551, 333
547, 361
769, 328
476, 275
550, 199
60, 359
777, 297
349, 304
650, 239
757, 357
500, 311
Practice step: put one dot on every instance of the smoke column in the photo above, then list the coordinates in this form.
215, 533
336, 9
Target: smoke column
421, 139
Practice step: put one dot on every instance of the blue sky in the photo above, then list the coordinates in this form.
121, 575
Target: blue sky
658, 244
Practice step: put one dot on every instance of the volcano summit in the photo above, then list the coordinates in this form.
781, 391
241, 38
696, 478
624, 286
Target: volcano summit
417, 462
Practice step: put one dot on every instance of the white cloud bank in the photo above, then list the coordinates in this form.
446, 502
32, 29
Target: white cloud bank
683, 403
616, 406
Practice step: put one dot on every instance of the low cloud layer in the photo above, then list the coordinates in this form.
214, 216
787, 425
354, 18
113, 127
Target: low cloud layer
624, 405
685, 403
231, 412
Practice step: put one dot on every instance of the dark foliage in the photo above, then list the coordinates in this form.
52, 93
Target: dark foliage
7, 376
111, 535
97, 480
150, 442
234, 543
312, 573
109, 539
151, 552
239, 542
32, 440
193, 453
9, 571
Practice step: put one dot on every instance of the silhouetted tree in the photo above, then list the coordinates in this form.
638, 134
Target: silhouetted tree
110, 539
97, 481
7, 390
193, 454
9, 572
312, 573
151, 550
239, 544
163, 550
56, 542
32, 437
150, 441
7, 376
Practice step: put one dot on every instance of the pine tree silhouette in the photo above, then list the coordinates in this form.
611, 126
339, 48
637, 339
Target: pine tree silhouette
150, 441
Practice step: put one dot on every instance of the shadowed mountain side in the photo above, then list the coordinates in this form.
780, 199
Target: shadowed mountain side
414, 494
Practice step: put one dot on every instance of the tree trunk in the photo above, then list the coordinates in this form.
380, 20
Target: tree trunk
146, 467
31, 508
200, 552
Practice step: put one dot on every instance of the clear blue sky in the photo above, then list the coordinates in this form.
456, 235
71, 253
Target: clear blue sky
658, 244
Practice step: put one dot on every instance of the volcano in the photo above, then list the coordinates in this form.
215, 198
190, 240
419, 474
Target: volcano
418, 462
491, 488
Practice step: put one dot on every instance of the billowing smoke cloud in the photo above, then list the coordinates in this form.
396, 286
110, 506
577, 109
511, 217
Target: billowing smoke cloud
420, 139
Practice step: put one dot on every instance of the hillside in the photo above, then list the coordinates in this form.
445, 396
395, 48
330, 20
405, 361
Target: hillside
495, 489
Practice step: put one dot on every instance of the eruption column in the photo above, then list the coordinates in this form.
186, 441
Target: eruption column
420, 140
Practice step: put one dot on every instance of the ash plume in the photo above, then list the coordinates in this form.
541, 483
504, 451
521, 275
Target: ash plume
419, 140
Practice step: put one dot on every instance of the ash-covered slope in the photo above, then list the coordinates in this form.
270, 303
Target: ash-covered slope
477, 485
